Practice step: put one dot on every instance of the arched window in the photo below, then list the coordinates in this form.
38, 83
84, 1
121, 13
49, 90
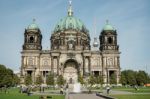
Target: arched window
31, 39
109, 40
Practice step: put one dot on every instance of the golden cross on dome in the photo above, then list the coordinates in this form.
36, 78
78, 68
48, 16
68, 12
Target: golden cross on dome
70, 12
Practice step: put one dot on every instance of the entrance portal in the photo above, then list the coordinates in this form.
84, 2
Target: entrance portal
70, 72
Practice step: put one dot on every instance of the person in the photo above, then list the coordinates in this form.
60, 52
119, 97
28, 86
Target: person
67, 86
43, 88
29, 89
20, 90
40, 88
61, 90
135, 87
108, 89
5, 89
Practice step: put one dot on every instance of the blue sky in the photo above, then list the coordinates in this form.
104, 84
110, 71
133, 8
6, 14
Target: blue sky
131, 18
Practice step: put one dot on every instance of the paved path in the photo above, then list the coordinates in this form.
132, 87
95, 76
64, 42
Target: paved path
93, 96
117, 92
124, 92
84, 96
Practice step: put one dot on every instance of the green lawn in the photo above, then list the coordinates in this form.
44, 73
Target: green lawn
132, 96
139, 94
13, 93
140, 89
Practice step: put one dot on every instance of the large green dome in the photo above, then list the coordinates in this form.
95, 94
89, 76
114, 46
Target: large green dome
69, 22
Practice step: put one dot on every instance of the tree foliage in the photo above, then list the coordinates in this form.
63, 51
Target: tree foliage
39, 80
60, 80
99, 79
91, 80
7, 77
50, 79
123, 79
113, 79
130, 77
80, 79
142, 78
28, 79
95, 80
16, 79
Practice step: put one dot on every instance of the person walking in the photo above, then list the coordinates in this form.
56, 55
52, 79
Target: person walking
61, 90
108, 89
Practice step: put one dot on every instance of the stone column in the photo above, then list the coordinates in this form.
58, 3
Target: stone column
89, 59
58, 65
84, 65
118, 62
22, 65
52, 65
108, 80
34, 75
118, 76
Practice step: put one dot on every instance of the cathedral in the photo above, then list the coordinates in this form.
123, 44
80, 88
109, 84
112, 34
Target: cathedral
70, 53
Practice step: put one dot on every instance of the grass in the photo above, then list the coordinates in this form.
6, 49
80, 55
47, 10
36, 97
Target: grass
141, 93
13, 93
132, 96
140, 89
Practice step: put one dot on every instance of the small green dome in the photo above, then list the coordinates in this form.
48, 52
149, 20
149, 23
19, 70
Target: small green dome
69, 22
108, 26
33, 26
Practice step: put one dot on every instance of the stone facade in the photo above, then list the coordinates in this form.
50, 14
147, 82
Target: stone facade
70, 52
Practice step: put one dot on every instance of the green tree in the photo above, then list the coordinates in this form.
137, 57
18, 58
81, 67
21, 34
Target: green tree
16, 79
123, 79
7, 80
6, 76
131, 77
2, 74
80, 79
148, 79
91, 80
60, 80
113, 79
28, 79
39, 80
99, 79
50, 80
142, 78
